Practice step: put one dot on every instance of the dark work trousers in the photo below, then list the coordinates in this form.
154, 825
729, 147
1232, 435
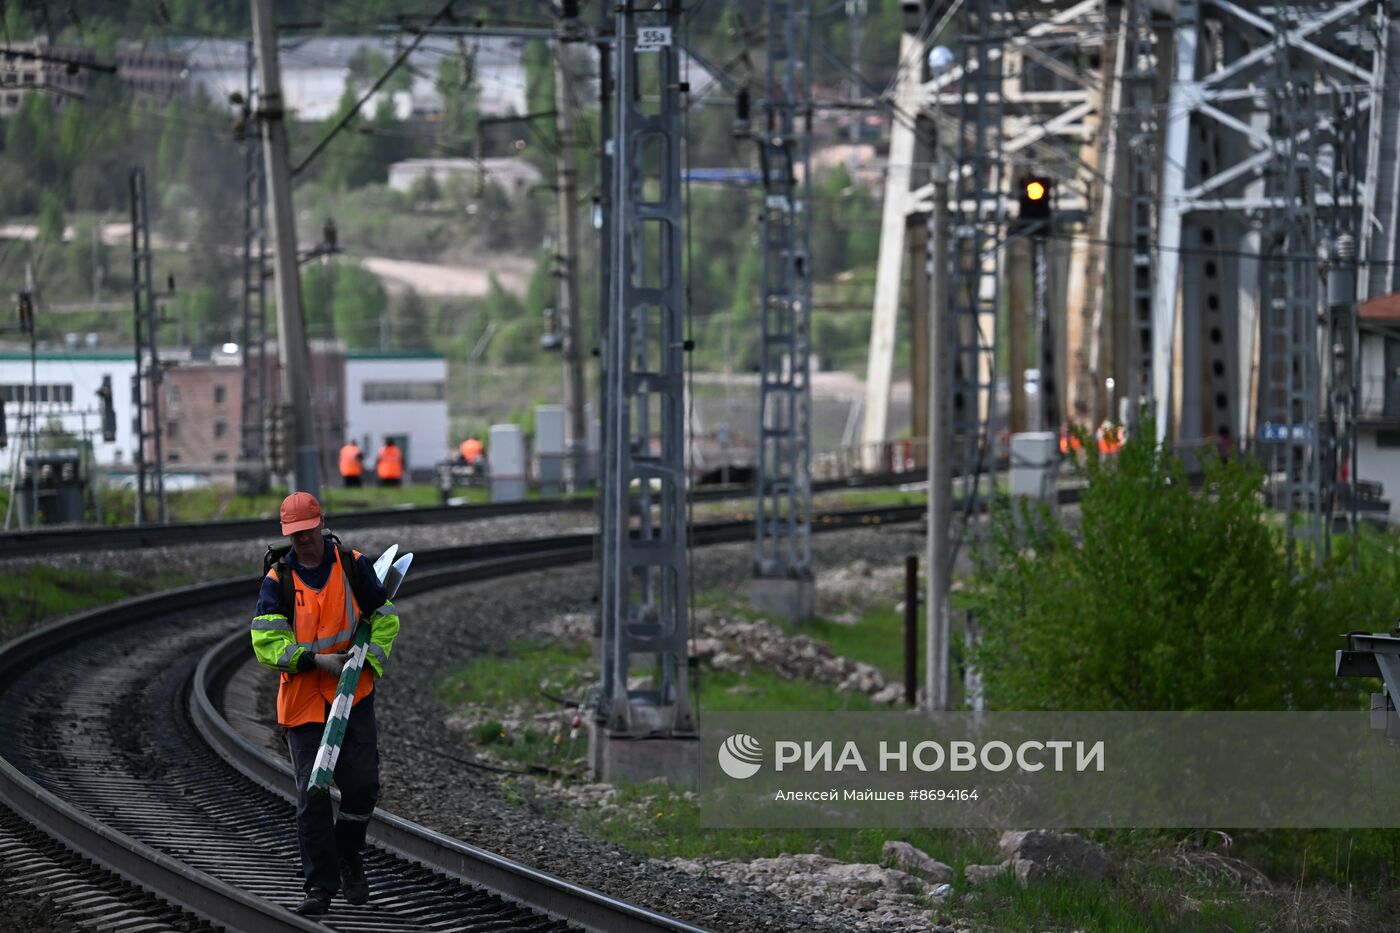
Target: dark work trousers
351, 481
324, 839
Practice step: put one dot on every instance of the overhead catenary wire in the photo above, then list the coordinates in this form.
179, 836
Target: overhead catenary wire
374, 88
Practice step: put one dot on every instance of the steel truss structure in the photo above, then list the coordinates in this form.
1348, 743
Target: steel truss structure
782, 520
978, 228
1139, 71
645, 574
146, 384
1274, 147
1028, 94
1288, 352
1222, 134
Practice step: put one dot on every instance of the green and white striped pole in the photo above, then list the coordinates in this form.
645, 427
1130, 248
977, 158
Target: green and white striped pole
333, 736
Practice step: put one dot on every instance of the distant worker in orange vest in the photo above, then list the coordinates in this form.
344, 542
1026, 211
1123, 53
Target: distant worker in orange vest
388, 464
352, 464
1110, 439
1069, 440
1072, 442
472, 449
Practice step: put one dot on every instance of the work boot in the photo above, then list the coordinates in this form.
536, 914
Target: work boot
317, 902
352, 880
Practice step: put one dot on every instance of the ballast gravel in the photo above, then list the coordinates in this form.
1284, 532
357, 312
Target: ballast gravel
445, 629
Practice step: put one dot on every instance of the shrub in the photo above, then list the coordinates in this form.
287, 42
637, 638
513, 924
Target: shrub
1164, 598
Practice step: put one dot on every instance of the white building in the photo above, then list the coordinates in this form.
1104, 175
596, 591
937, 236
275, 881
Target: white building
67, 383
314, 72
514, 175
400, 394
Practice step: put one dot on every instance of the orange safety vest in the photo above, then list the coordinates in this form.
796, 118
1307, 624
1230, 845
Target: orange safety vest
325, 623
471, 450
350, 464
1110, 440
1069, 441
389, 463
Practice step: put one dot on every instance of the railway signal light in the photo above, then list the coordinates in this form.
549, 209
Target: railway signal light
1034, 195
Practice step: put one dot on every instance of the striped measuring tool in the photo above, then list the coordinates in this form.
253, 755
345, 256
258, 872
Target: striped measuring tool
390, 573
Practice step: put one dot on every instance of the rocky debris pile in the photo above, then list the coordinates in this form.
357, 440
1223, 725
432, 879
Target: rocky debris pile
916, 862
858, 586
740, 645
1038, 854
855, 897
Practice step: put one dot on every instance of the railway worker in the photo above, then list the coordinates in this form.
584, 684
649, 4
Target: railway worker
352, 464
1110, 439
388, 463
311, 597
471, 450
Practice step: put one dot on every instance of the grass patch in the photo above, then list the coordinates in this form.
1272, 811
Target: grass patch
490, 690
657, 821
41, 593
1150, 899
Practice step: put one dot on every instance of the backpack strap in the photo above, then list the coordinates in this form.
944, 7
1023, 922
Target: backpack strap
353, 572
276, 559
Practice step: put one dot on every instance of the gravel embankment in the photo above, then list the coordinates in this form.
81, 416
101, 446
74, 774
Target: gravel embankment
445, 629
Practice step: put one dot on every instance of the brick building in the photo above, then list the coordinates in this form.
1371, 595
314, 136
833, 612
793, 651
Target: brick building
202, 409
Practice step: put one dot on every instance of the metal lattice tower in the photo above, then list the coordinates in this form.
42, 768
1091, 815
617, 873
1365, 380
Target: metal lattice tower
783, 514
146, 383
976, 243
1341, 360
1140, 137
1289, 378
252, 466
646, 584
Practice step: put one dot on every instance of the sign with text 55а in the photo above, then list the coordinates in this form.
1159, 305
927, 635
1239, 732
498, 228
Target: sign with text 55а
651, 38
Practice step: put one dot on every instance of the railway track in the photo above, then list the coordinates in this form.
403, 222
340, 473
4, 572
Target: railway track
121, 748
90, 538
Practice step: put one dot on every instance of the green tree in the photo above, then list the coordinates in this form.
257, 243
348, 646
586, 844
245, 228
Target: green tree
412, 323
460, 114
360, 300
539, 98
51, 223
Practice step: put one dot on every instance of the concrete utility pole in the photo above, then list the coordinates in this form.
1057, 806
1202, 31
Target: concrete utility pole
566, 270
940, 457
889, 263
291, 333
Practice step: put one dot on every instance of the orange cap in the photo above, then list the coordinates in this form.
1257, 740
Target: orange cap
300, 512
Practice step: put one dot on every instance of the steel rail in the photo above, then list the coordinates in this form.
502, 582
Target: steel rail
126, 537
222, 903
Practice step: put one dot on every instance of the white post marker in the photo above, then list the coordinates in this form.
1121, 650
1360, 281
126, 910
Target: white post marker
333, 736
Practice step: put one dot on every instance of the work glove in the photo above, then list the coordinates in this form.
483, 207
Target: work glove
332, 663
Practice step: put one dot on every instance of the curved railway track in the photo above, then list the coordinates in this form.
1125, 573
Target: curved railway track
90, 538
120, 747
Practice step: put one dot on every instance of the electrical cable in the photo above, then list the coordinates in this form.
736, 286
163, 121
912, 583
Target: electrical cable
374, 88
